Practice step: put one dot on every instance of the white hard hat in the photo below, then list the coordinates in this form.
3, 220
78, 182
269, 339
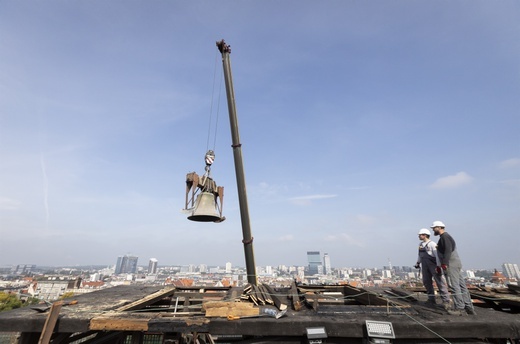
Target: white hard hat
424, 231
437, 224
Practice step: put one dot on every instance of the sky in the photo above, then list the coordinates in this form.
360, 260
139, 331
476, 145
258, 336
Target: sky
361, 122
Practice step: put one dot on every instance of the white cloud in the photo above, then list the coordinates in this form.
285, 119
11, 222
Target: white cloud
451, 182
509, 163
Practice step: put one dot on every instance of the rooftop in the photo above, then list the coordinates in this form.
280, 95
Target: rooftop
176, 314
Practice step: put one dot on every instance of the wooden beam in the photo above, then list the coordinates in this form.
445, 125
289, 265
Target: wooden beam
295, 297
50, 322
276, 300
148, 300
225, 308
110, 323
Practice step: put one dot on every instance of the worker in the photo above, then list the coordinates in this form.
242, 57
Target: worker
451, 266
429, 260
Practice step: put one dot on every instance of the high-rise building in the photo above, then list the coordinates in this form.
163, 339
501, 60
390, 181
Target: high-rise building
23, 269
314, 260
117, 270
228, 267
326, 264
126, 265
268, 270
511, 270
152, 266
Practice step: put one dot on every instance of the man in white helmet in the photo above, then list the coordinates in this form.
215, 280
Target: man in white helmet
452, 267
429, 261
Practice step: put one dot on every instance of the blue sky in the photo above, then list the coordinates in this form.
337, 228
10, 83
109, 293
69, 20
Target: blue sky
360, 122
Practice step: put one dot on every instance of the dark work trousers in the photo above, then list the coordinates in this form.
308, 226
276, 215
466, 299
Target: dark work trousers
428, 264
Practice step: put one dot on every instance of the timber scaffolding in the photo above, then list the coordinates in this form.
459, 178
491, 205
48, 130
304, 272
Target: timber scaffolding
260, 314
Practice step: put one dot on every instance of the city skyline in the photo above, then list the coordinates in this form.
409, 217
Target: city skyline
510, 269
360, 123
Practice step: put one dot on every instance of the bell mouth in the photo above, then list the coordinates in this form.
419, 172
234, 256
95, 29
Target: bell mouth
204, 218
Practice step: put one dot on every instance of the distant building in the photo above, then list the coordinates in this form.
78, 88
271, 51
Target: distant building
387, 273
314, 260
152, 266
511, 270
191, 268
228, 267
326, 264
51, 290
498, 277
126, 265
23, 269
269, 270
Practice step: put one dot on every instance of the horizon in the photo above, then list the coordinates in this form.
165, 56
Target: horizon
109, 266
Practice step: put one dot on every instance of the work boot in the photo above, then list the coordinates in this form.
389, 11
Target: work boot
458, 312
470, 311
431, 303
446, 306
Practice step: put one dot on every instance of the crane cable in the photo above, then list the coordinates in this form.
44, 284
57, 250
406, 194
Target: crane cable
210, 155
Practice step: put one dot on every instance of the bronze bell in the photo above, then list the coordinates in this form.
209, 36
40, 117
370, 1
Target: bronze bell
205, 209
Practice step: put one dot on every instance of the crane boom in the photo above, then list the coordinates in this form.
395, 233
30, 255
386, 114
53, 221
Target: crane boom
247, 240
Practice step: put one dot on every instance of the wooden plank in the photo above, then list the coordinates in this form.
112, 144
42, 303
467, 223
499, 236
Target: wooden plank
214, 304
50, 322
223, 309
257, 293
321, 288
265, 294
276, 300
295, 297
496, 300
148, 300
111, 323
312, 299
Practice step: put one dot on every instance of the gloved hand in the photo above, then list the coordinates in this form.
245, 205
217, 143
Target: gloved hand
438, 270
444, 267
417, 266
